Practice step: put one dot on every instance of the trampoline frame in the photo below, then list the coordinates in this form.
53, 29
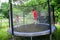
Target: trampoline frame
32, 33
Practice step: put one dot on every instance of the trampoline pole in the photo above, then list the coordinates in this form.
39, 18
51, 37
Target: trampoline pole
11, 19
23, 18
13, 37
53, 14
49, 19
31, 37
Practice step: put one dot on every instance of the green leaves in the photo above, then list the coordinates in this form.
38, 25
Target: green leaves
5, 9
5, 6
0, 10
53, 2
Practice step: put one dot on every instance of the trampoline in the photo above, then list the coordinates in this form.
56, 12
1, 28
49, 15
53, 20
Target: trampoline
32, 30
31, 20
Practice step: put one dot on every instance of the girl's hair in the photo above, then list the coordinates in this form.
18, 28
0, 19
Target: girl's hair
33, 9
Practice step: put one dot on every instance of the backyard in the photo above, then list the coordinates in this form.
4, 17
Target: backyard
24, 10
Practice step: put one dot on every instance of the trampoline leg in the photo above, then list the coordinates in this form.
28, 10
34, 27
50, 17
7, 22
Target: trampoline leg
31, 38
51, 37
13, 38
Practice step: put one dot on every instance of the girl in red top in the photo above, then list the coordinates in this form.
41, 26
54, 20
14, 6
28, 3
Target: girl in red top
35, 14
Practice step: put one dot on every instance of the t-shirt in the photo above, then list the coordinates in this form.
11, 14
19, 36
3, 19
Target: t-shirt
35, 14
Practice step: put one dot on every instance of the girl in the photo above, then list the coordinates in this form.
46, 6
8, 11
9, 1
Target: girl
35, 15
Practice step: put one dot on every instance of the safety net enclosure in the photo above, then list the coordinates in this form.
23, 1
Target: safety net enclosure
26, 14
31, 18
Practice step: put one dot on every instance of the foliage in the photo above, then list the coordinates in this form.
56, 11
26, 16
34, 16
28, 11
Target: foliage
57, 10
0, 10
5, 9
42, 4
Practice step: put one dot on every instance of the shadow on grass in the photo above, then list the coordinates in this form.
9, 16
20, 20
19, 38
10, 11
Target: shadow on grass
45, 37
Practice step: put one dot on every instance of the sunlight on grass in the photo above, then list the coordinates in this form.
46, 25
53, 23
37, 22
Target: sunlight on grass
4, 35
57, 33
58, 26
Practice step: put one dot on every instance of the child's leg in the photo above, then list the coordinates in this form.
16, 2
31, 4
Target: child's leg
35, 21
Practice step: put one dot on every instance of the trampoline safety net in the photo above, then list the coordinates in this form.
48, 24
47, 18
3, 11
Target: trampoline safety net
29, 17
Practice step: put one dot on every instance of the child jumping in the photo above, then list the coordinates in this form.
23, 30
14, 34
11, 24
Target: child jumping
35, 15
17, 20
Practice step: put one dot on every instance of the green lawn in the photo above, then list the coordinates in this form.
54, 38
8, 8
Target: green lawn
57, 33
4, 35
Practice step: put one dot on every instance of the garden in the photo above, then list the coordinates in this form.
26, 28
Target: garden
4, 17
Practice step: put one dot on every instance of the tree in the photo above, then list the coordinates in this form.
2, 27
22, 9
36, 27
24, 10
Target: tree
5, 9
43, 4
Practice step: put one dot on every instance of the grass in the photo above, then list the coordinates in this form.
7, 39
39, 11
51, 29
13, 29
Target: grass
57, 33
4, 35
